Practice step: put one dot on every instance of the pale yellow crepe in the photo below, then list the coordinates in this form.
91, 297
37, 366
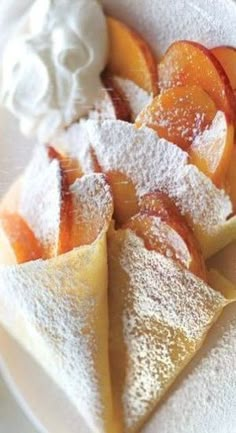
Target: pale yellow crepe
57, 310
223, 234
159, 317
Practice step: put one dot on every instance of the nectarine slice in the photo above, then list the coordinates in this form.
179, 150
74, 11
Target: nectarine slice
188, 63
179, 114
18, 243
68, 176
92, 209
227, 57
131, 57
70, 166
165, 230
45, 201
124, 196
211, 151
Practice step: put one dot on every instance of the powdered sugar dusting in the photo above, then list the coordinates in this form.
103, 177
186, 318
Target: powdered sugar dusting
75, 142
170, 243
165, 313
92, 202
211, 139
198, 198
40, 202
103, 108
155, 164
204, 399
136, 97
59, 314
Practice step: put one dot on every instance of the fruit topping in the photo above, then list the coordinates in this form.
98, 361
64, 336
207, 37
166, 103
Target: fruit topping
179, 114
131, 57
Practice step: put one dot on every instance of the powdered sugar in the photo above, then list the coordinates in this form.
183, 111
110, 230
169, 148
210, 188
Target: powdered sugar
92, 208
203, 400
40, 201
170, 243
136, 97
75, 142
59, 313
92, 198
103, 108
155, 164
164, 313
212, 139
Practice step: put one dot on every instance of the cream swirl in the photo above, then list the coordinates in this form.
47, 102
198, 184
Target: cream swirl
52, 65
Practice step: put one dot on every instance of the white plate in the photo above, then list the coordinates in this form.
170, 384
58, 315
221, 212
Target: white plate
195, 404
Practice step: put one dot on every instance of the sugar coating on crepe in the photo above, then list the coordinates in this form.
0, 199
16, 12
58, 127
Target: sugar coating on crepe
92, 199
40, 200
103, 108
204, 400
136, 97
156, 164
159, 315
75, 142
58, 310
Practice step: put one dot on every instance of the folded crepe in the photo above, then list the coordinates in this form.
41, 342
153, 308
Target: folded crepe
159, 316
57, 308
152, 164
159, 313
114, 353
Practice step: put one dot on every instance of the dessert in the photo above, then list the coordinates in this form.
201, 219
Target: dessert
106, 234
57, 307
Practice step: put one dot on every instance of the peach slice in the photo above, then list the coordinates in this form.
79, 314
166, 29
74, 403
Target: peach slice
69, 165
189, 63
18, 243
92, 209
45, 201
227, 58
211, 151
179, 114
131, 57
68, 176
124, 196
165, 230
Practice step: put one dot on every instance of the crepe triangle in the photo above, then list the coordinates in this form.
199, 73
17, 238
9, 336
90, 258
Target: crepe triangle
159, 317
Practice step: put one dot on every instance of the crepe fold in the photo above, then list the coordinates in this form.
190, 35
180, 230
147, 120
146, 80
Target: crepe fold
57, 310
159, 317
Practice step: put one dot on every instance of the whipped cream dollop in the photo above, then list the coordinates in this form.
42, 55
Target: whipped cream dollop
51, 66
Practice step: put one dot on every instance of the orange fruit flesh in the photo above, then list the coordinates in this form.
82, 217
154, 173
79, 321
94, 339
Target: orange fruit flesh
130, 56
211, 152
70, 166
190, 63
179, 114
68, 175
20, 244
177, 238
227, 58
124, 196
